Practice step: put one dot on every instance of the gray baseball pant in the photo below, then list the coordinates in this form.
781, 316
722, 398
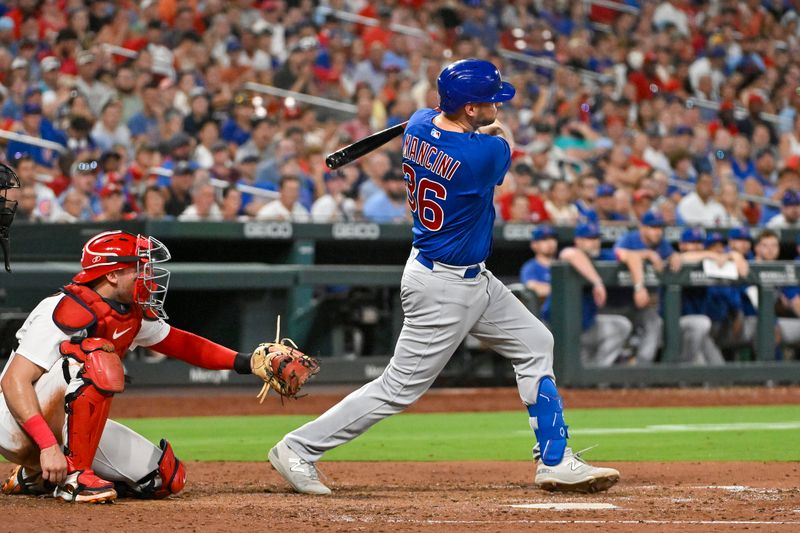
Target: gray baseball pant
602, 343
441, 307
790, 331
651, 325
697, 345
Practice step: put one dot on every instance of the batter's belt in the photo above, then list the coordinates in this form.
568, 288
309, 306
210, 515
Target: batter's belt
466, 272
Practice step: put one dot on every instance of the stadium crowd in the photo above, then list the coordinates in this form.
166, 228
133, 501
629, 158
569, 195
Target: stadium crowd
677, 107
677, 112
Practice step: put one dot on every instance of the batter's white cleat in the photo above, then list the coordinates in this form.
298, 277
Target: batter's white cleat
301, 475
23, 482
573, 474
84, 486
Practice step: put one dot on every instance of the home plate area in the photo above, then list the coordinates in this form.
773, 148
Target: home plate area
447, 496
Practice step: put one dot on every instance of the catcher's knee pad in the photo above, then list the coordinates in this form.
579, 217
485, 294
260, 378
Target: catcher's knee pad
168, 478
102, 367
547, 422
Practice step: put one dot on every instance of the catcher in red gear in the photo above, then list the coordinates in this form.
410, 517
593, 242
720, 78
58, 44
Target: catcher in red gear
59, 383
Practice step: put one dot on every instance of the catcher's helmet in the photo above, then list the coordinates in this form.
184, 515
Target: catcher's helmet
8, 180
116, 250
471, 81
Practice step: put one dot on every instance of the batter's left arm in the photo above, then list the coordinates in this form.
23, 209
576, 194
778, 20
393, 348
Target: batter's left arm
498, 129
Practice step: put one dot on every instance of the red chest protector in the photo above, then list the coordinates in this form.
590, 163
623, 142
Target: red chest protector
82, 308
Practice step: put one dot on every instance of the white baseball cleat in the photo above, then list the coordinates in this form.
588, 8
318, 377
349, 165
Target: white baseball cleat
84, 486
573, 474
301, 475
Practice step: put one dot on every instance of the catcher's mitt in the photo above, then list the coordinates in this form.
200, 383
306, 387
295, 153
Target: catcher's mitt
283, 367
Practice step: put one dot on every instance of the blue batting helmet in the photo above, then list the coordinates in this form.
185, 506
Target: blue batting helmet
471, 81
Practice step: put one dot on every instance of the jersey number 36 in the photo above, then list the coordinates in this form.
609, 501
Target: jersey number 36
425, 195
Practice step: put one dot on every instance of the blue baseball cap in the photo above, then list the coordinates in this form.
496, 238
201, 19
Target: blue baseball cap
740, 233
32, 109
33, 89
653, 220
543, 232
682, 130
333, 174
604, 189
587, 231
790, 197
692, 235
717, 51
713, 238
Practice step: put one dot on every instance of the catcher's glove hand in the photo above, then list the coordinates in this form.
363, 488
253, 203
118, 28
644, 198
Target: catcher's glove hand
283, 367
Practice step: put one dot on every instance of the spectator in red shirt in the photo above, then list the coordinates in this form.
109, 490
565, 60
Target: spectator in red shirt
380, 33
523, 181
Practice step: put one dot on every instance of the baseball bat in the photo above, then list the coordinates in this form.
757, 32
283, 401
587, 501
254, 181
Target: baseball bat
363, 146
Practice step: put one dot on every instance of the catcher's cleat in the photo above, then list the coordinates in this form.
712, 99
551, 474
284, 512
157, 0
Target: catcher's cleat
22, 482
301, 475
84, 486
573, 474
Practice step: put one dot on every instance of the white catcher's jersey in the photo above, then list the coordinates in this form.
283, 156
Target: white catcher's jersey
39, 339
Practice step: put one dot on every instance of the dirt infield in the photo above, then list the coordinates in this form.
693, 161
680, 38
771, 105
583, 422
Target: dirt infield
442, 496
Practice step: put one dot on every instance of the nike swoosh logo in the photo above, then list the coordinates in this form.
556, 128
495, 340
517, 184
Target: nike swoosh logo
119, 334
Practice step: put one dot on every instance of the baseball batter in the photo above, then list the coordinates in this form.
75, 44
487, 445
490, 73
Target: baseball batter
452, 161
58, 385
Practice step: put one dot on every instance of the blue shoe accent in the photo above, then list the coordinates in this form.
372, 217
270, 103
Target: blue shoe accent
547, 417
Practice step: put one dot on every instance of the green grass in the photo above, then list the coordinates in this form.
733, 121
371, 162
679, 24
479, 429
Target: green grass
622, 435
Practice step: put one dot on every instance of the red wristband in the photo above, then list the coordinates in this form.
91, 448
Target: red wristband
40, 432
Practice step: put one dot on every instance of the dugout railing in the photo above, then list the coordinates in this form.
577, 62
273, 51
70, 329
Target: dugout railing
237, 304
568, 287
230, 280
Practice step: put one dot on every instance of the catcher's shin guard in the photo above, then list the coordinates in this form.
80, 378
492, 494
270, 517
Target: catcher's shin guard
87, 403
168, 478
547, 422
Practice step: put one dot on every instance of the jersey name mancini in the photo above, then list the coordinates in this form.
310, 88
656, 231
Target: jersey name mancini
429, 157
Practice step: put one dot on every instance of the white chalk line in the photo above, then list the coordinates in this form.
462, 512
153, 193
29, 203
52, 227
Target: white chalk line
533, 522
684, 428
566, 506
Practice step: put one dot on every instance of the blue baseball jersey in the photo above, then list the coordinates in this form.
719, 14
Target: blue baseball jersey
586, 213
533, 270
606, 254
450, 179
633, 241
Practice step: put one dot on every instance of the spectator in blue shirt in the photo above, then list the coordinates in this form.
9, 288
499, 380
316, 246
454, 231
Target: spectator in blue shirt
145, 125
35, 125
606, 205
236, 130
587, 196
390, 204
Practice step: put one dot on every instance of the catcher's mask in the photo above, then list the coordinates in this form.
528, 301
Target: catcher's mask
116, 250
8, 180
